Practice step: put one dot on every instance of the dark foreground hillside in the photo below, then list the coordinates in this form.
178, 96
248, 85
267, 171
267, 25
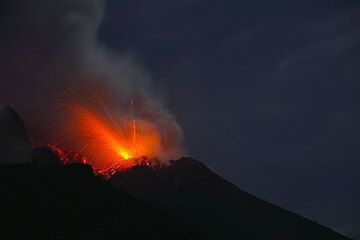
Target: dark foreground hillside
185, 200
216, 207
57, 202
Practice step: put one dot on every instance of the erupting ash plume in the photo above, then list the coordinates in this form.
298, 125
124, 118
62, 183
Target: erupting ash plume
109, 138
75, 93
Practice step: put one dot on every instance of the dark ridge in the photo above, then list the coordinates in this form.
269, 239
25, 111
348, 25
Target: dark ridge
14, 144
43, 199
214, 206
11, 122
69, 202
44, 156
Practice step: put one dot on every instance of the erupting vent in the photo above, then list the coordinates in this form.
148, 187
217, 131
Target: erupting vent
68, 157
82, 128
110, 141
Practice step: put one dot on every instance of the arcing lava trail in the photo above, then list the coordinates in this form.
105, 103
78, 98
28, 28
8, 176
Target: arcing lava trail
110, 141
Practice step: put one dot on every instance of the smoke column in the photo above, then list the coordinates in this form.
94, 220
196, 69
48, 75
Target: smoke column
49, 47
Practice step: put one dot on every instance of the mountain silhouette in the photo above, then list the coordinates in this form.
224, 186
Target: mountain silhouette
14, 144
69, 202
43, 199
209, 203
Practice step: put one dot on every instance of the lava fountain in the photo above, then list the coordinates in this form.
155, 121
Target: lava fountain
109, 141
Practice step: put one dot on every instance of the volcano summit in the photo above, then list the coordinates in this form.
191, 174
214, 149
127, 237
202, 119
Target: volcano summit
44, 199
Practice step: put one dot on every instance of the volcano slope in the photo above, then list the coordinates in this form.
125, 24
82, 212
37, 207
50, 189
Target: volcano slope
209, 203
42, 199
69, 202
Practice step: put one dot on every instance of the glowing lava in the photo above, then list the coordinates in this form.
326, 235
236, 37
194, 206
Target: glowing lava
124, 154
108, 142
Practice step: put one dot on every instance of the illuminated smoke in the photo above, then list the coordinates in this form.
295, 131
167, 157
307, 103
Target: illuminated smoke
50, 48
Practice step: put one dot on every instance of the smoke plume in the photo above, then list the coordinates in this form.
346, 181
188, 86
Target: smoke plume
49, 47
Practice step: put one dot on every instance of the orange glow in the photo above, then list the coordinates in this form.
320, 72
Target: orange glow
110, 142
124, 154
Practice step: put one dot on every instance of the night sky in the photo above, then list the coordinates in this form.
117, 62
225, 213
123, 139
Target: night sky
267, 93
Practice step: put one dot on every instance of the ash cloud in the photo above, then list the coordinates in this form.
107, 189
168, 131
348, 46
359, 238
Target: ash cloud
48, 47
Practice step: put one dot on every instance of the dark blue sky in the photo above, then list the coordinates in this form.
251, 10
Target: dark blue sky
267, 93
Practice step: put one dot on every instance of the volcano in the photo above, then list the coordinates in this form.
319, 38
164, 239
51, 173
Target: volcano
44, 198
211, 204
